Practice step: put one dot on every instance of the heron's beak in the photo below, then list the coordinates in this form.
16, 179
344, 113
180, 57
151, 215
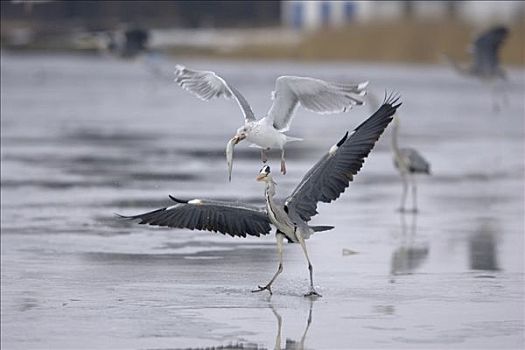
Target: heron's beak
238, 138
260, 177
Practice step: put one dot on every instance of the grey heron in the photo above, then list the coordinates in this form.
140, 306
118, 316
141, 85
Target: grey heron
408, 162
324, 182
268, 132
485, 63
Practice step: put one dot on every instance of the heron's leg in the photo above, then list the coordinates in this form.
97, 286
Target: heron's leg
414, 193
404, 194
283, 163
312, 291
264, 156
268, 287
279, 326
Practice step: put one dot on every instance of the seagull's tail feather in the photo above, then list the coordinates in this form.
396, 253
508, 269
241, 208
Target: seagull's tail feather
292, 139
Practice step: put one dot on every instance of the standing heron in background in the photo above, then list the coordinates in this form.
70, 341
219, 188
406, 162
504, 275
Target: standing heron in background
485, 58
324, 182
408, 162
290, 91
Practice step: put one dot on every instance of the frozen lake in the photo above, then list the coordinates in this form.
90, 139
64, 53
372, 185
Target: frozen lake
83, 138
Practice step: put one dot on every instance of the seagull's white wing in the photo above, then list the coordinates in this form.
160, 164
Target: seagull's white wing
313, 94
207, 85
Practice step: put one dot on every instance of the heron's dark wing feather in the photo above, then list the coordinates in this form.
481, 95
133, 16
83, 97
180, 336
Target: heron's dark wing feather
486, 48
207, 85
235, 219
327, 179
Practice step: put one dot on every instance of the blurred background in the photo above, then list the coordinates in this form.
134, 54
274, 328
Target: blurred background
403, 31
92, 124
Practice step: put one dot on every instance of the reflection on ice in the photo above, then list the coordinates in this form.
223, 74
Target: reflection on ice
290, 344
409, 255
483, 252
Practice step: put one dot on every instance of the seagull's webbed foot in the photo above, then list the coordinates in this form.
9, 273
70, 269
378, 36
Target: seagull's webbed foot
267, 287
414, 210
283, 167
313, 293
401, 210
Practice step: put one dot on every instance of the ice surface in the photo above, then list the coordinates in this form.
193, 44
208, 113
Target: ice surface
86, 137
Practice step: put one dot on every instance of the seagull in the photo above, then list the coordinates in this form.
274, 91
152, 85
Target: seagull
324, 182
268, 132
408, 162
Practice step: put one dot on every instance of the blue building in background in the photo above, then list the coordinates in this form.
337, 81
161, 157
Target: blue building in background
316, 14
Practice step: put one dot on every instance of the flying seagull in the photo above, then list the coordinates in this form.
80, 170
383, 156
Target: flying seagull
324, 182
408, 162
290, 91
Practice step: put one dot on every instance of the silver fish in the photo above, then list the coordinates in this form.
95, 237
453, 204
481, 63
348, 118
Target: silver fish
229, 156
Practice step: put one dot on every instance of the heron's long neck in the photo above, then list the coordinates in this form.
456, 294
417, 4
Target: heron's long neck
395, 132
269, 192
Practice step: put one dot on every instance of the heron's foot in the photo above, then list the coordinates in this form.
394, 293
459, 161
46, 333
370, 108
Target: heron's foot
414, 210
266, 287
401, 210
283, 167
313, 293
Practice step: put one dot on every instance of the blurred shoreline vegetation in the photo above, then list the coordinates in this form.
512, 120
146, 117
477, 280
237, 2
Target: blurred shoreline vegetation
394, 41
242, 30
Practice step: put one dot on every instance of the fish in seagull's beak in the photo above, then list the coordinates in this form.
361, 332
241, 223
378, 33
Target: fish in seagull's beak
238, 138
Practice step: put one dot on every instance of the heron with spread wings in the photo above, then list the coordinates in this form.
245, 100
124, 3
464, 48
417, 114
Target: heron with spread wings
485, 63
324, 182
485, 55
290, 91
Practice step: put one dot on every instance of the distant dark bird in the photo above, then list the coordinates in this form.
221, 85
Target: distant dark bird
324, 182
485, 55
485, 59
127, 44
408, 162
268, 132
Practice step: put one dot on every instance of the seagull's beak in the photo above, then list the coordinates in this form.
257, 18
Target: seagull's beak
260, 177
238, 138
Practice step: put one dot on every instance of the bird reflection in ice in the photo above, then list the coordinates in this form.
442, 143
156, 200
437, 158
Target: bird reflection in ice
290, 344
483, 251
409, 255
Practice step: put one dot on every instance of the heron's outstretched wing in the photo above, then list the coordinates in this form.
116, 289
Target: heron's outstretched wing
327, 179
235, 219
486, 47
207, 85
313, 94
